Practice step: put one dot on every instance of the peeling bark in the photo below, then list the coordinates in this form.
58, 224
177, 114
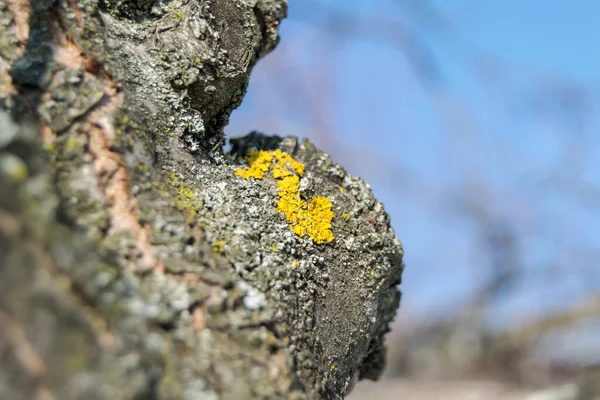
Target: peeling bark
134, 262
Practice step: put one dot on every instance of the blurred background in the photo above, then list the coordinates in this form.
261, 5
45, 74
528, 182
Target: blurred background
475, 123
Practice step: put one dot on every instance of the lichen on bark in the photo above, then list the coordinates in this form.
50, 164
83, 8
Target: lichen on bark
134, 262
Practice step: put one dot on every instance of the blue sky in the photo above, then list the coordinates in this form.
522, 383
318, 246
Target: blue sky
425, 143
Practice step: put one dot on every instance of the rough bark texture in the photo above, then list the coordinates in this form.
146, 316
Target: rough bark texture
134, 262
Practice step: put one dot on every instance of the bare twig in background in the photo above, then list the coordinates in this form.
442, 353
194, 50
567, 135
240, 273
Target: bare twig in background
503, 219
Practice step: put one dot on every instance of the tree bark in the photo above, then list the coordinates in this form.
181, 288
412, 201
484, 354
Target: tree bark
135, 261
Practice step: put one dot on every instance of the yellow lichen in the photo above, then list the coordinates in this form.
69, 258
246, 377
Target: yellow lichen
319, 219
312, 218
259, 161
284, 162
370, 270
219, 247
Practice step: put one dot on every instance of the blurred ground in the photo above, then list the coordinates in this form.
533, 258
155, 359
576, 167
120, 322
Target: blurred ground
465, 390
476, 124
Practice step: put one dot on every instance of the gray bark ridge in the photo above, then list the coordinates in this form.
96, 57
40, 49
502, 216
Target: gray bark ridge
136, 261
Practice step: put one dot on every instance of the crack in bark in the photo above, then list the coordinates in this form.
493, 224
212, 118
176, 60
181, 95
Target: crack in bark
109, 166
113, 180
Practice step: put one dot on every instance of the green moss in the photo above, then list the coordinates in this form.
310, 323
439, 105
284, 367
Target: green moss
50, 147
187, 199
71, 144
127, 127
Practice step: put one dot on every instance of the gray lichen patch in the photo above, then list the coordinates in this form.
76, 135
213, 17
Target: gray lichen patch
71, 94
8, 33
84, 24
